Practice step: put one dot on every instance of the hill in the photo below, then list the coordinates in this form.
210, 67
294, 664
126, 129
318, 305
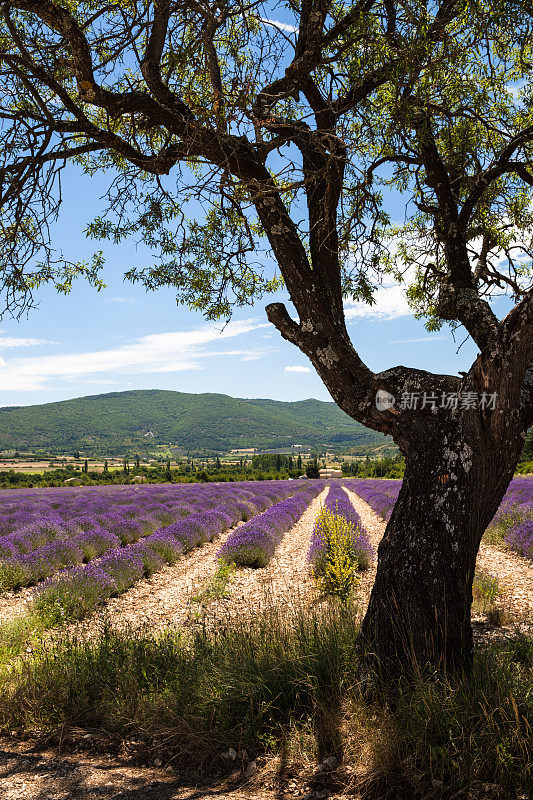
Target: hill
143, 419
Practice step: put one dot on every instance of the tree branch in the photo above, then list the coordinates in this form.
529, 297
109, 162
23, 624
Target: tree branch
466, 306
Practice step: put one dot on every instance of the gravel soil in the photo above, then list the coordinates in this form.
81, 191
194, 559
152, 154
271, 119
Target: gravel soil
27, 773
13, 603
515, 575
30, 772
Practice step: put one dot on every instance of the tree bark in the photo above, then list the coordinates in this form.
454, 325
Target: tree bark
456, 476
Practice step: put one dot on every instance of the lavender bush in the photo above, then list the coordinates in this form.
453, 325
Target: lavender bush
381, 495
510, 523
521, 538
74, 594
338, 504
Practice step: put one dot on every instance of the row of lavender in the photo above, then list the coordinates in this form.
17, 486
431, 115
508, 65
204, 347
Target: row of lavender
48, 532
512, 523
381, 495
338, 503
255, 542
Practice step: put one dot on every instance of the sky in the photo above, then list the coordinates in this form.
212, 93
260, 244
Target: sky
124, 338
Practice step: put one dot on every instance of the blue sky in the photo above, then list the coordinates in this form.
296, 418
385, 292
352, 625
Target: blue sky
124, 338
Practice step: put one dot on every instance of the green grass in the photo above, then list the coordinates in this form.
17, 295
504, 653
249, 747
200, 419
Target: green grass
236, 685
485, 590
464, 732
286, 678
216, 587
22, 632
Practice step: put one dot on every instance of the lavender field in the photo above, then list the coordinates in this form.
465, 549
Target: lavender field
80, 547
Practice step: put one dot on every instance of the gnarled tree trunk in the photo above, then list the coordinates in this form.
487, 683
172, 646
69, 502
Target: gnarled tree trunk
456, 476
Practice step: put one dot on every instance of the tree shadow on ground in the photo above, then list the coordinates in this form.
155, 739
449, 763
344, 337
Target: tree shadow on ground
46, 776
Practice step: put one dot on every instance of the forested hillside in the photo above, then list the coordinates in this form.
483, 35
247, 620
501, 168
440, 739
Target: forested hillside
143, 419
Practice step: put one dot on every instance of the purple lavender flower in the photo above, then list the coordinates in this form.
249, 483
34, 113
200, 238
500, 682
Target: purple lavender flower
74, 594
521, 539
189, 532
124, 566
96, 542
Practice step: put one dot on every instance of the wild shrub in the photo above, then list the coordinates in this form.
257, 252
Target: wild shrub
339, 555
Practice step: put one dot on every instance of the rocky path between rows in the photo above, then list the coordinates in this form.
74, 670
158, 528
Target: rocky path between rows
375, 528
515, 576
286, 581
14, 603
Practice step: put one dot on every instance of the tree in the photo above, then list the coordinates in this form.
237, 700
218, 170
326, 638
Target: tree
287, 137
312, 471
299, 463
527, 452
85, 466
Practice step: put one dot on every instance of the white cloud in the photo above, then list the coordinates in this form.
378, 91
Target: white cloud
282, 26
423, 339
6, 342
95, 382
297, 369
391, 303
120, 300
156, 353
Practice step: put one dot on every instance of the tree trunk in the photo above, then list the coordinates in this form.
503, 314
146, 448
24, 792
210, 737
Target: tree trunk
457, 472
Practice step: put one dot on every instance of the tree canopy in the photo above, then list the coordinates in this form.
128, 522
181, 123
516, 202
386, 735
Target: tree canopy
287, 134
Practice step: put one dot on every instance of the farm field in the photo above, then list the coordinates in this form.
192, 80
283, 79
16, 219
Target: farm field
198, 558
153, 549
